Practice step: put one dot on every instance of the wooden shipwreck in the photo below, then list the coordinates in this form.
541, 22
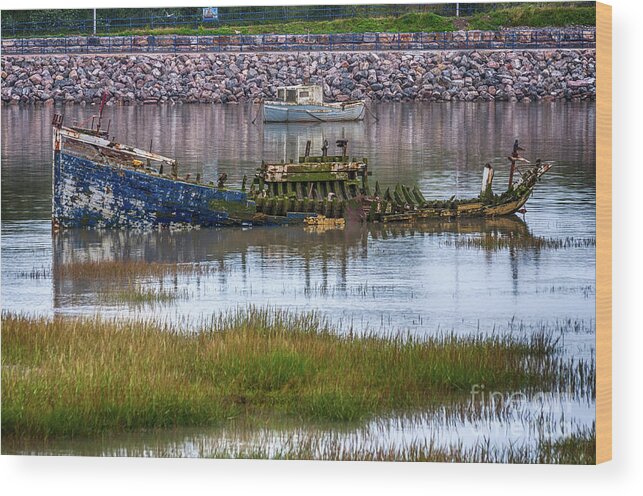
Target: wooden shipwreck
99, 183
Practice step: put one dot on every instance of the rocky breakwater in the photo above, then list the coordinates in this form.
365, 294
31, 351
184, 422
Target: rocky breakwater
232, 78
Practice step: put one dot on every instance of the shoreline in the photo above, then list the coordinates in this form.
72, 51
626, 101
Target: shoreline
73, 380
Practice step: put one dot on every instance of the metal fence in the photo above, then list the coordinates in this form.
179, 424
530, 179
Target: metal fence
456, 40
83, 22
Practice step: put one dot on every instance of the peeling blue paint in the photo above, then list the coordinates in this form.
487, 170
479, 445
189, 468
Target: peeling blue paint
87, 194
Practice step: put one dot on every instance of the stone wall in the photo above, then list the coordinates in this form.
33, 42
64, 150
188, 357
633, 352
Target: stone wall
230, 78
512, 38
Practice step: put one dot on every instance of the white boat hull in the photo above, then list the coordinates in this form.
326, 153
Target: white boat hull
328, 112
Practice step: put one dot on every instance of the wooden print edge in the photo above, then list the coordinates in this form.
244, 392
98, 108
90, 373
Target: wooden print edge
603, 232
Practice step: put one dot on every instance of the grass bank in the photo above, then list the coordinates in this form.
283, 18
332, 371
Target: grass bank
576, 448
84, 376
521, 15
407, 23
534, 16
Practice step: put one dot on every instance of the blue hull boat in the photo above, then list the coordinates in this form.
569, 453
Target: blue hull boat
89, 194
99, 183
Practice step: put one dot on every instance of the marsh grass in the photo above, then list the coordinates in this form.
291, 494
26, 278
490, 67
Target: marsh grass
127, 269
35, 273
493, 243
577, 448
84, 376
534, 16
139, 296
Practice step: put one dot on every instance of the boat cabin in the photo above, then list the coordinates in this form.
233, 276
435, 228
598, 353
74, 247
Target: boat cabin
302, 94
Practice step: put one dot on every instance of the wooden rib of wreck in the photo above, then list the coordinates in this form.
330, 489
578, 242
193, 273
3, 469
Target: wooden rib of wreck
99, 183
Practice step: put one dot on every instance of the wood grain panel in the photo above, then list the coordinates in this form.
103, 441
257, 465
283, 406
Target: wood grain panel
603, 233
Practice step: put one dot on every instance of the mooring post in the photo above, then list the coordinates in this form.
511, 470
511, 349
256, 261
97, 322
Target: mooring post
487, 179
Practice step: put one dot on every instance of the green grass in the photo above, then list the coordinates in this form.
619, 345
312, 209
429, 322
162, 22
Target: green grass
414, 22
85, 376
529, 15
534, 16
576, 448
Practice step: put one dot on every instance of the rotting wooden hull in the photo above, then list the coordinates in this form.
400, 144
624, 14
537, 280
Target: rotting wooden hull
508, 203
87, 194
475, 210
92, 195
98, 183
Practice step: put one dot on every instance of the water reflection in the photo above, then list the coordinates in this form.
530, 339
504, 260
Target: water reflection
411, 278
407, 277
381, 277
441, 147
327, 252
497, 427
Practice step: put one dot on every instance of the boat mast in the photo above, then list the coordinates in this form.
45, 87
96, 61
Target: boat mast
103, 100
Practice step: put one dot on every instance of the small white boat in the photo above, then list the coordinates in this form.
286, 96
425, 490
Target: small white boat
305, 103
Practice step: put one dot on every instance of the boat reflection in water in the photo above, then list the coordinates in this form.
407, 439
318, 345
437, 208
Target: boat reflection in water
343, 272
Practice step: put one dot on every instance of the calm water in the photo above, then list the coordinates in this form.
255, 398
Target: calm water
376, 278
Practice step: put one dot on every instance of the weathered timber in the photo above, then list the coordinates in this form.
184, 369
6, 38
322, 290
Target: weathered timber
99, 183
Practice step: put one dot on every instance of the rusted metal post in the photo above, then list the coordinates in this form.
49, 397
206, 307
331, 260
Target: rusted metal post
514, 157
57, 144
511, 172
149, 162
343, 144
103, 101
222, 179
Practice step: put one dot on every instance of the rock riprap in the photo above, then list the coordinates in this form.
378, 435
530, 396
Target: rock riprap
529, 75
